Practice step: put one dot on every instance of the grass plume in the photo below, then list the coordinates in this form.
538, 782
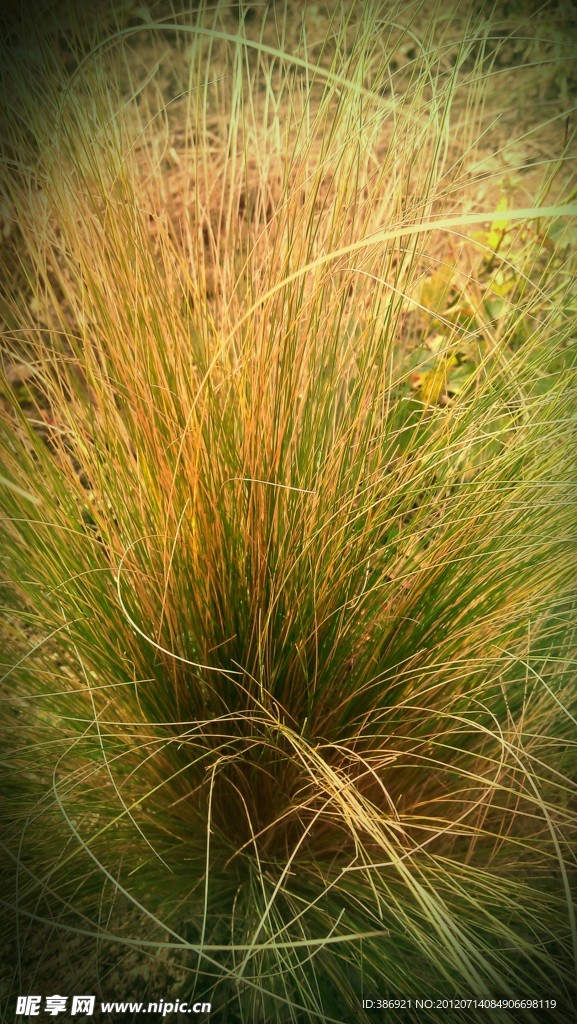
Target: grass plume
288, 479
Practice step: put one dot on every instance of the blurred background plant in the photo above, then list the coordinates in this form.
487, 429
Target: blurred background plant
288, 488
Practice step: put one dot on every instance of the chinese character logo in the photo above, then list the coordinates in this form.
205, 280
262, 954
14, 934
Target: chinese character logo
83, 1004
28, 1006
55, 1004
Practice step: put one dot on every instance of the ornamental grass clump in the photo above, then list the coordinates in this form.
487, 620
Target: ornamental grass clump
288, 480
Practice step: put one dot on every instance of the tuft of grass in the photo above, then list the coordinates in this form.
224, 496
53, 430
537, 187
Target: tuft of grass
288, 531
